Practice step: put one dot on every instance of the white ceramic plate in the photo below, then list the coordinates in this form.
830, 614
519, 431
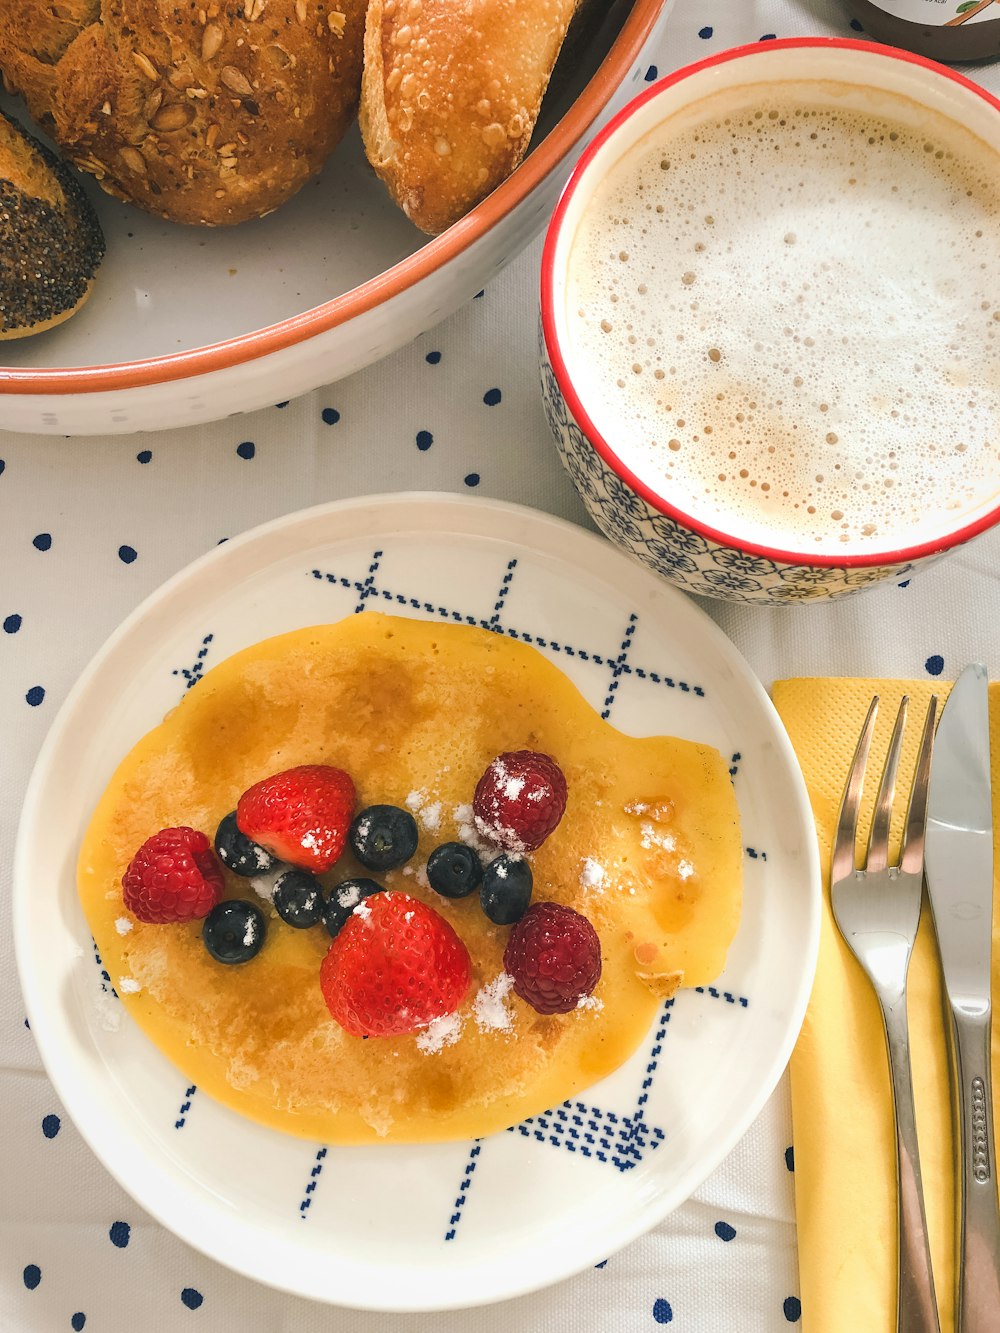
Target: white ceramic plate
415, 1228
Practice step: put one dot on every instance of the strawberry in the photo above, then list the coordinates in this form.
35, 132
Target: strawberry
301, 815
519, 800
395, 966
174, 876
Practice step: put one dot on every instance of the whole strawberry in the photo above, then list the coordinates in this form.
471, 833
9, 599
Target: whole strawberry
174, 876
395, 966
554, 957
301, 815
519, 800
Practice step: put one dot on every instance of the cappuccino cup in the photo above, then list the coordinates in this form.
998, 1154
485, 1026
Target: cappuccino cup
770, 320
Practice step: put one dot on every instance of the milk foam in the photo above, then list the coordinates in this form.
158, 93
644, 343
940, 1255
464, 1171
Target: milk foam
783, 314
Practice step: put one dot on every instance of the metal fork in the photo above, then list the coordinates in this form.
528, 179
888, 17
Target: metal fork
877, 909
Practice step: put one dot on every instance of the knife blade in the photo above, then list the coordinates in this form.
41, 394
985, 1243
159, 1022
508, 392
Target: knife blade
958, 871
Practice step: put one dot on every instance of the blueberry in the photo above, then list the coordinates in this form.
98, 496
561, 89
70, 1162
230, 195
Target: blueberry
454, 870
238, 854
506, 890
298, 899
343, 900
383, 837
234, 931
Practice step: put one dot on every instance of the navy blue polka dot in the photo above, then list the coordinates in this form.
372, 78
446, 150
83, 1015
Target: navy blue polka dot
120, 1234
472, 479
12, 624
424, 440
42, 542
724, 1231
791, 1307
191, 1298
2, 466
790, 1158
35, 695
330, 415
769, 37
144, 455
51, 1126
247, 449
491, 397
32, 1276
284, 404
432, 358
934, 665
705, 33
126, 554
652, 74
78, 1321
479, 294
662, 1312
856, 25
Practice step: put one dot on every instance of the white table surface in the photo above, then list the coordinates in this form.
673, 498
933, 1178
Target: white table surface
89, 527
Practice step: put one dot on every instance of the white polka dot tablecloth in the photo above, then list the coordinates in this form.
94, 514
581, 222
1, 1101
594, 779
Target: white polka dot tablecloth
91, 526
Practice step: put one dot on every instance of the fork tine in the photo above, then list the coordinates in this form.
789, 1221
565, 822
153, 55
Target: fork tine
878, 838
842, 863
911, 859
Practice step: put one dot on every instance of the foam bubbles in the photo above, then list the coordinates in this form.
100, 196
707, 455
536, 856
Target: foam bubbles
789, 310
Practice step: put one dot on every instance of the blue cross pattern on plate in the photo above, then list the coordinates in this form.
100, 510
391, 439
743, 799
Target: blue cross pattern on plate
619, 1141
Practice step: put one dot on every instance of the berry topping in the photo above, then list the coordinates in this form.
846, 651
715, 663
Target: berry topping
454, 870
298, 899
234, 931
301, 815
554, 956
237, 853
394, 968
343, 900
506, 890
383, 837
174, 876
519, 800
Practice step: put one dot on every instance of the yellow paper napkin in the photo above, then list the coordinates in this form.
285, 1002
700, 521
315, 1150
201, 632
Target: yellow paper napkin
845, 1155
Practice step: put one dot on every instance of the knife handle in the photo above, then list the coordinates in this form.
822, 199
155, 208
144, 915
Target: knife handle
978, 1295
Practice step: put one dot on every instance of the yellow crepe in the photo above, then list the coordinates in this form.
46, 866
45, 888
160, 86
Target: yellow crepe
845, 1156
649, 849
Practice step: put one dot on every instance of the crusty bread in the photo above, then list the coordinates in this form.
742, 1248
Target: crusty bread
450, 96
199, 112
50, 239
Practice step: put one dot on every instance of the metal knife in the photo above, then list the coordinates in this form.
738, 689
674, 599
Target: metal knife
958, 869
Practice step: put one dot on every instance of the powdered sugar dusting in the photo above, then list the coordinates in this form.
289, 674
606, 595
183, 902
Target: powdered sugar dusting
364, 912
123, 925
685, 869
128, 986
592, 874
439, 1033
590, 1002
468, 832
349, 897
490, 1005
263, 885
426, 811
250, 933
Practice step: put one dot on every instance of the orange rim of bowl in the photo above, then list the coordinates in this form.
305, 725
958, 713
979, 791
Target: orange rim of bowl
407, 273
564, 380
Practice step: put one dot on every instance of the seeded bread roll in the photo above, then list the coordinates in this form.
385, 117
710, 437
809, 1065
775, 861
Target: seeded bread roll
202, 113
450, 96
50, 239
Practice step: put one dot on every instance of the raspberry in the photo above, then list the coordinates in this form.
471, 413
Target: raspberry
395, 966
301, 815
554, 957
174, 876
519, 800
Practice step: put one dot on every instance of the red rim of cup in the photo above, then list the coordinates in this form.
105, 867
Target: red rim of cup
407, 273
564, 379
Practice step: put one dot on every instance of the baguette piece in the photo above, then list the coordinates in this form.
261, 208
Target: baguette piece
204, 112
450, 94
51, 242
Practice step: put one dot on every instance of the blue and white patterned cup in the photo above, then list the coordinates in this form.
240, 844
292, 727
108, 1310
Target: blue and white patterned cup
626, 507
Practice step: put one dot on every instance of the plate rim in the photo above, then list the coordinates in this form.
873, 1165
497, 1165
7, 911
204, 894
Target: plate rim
537, 526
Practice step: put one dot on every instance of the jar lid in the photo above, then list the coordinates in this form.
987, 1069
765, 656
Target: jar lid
949, 30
